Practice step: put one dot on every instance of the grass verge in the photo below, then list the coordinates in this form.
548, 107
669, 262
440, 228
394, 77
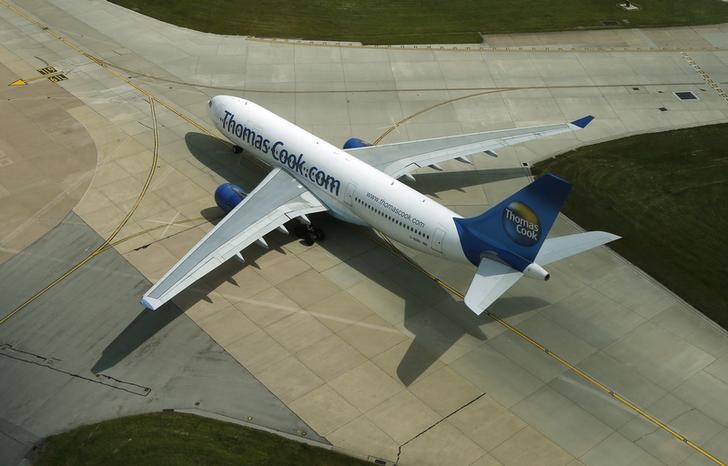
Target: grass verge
171, 438
423, 21
666, 194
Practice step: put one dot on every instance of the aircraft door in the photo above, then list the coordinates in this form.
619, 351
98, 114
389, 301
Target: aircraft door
437, 238
350, 193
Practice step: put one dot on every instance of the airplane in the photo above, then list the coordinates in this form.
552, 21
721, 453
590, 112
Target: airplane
359, 184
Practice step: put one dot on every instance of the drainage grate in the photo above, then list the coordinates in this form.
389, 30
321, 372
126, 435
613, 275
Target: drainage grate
662, 109
685, 95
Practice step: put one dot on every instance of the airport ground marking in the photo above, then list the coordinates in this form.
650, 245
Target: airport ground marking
54, 76
705, 76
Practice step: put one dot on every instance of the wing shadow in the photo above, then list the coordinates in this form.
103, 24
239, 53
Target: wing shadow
435, 182
435, 319
148, 323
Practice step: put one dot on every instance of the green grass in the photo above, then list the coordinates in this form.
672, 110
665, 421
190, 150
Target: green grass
666, 194
424, 21
170, 438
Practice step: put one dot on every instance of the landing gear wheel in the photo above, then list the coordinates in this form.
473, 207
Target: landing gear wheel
309, 237
309, 234
237, 149
319, 233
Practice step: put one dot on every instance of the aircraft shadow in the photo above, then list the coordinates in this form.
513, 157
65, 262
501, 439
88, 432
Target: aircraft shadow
218, 156
436, 320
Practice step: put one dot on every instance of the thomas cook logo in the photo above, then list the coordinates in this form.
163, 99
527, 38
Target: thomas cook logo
521, 224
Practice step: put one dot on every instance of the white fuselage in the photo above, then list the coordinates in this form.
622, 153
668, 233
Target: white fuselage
353, 190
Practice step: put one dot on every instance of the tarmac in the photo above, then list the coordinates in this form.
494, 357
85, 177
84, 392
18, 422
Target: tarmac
350, 341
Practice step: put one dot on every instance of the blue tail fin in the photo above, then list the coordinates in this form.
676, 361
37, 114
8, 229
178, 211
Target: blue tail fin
515, 229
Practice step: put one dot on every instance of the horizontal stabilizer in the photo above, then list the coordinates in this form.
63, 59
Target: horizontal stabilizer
582, 122
490, 281
555, 249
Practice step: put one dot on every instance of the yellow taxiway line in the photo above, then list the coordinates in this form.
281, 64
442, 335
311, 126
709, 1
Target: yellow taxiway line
113, 234
561, 360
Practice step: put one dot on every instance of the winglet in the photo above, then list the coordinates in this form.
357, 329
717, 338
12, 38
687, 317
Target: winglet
149, 303
582, 122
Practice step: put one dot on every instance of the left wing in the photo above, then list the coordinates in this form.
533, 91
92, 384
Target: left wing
405, 157
276, 200
491, 280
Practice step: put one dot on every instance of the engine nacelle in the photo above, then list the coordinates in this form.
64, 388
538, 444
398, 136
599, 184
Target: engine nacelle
228, 195
353, 143
533, 270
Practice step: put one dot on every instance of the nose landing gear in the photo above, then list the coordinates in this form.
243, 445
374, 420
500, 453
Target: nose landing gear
237, 149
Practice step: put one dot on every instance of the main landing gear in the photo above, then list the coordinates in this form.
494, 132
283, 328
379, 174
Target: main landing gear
309, 234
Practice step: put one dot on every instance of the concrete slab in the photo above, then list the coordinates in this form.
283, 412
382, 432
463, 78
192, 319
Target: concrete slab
559, 419
365, 386
487, 423
528, 446
443, 444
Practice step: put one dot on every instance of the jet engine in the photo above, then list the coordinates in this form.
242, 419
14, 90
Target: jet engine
353, 143
228, 195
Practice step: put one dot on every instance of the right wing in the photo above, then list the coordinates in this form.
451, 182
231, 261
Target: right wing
276, 200
405, 157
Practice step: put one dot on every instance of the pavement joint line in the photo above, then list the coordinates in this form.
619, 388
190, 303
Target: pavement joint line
8, 351
399, 449
461, 48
